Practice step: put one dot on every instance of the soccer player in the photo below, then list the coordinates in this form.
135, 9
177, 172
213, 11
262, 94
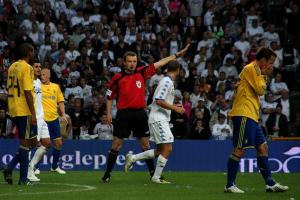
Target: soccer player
129, 88
21, 109
159, 119
43, 132
245, 114
52, 100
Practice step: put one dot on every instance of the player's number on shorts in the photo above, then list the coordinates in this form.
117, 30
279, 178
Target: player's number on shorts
14, 83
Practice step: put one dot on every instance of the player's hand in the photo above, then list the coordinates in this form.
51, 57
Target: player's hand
64, 117
33, 120
109, 118
179, 109
182, 51
267, 70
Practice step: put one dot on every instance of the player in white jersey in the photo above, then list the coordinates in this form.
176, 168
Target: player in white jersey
163, 104
43, 132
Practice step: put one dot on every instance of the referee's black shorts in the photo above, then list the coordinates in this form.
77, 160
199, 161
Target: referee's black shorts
131, 120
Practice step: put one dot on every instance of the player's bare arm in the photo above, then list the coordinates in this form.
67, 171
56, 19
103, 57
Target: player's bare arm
61, 107
164, 61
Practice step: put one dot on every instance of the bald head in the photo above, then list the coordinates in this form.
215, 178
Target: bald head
45, 76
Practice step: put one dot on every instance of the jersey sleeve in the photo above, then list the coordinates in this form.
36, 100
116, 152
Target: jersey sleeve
162, 89
148, 71
27, 78
111, 89
256, 80
60, 96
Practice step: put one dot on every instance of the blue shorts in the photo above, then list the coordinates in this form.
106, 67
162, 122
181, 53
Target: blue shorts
247, 133
25, 129
54, 129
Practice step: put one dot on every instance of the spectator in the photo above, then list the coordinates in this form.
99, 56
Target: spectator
199, 132
287, 108
221, 130
277, 123
267, 107
277, 86
6, 125
74, 89
78, 119
103, 129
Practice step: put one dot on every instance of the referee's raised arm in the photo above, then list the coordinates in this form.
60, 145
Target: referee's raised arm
165, 60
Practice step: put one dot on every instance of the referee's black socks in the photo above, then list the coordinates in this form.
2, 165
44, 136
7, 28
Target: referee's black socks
111, 160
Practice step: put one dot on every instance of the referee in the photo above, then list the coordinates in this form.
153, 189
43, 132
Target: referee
128, 87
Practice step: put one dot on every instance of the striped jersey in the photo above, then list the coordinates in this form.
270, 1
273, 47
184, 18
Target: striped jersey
39, 111
164, 91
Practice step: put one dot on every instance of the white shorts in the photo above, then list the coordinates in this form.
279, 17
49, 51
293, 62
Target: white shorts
161, 132
43, 131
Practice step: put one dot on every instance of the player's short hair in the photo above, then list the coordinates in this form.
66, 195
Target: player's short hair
24, 49
34, 60
265, 53
129, 53
173, 66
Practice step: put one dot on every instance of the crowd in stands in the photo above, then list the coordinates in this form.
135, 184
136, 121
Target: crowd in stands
83, 43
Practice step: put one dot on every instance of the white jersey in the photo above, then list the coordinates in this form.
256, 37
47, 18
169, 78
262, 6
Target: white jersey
39, 111
164, 91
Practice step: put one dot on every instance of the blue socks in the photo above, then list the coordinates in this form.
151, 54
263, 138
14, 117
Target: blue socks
232, 169
263, 165
22, 158
24, 161
16, 159
55, 154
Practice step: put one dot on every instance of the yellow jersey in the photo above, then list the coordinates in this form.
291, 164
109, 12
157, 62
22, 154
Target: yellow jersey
51, 96
250, 86
19, 78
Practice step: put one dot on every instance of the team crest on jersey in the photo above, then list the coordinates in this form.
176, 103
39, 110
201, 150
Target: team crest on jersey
138, 84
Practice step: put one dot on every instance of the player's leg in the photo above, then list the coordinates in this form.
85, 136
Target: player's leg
54, 131
239, 139
145, 155
263, 164
112, 157
141, 131
232, 170
56, 155
45, 144
26, 131
163, 137
164, 150
122, 129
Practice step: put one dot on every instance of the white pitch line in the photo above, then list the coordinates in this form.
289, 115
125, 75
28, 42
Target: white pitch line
83, 188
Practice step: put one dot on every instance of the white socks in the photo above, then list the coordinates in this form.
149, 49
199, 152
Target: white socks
40, 152
149, 154
161, 162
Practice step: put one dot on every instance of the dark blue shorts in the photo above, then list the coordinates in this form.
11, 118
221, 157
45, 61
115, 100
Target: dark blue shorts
247, 133
25, 129
54, 129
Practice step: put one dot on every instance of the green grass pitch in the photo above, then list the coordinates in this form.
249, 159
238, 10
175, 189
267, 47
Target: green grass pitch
77, 185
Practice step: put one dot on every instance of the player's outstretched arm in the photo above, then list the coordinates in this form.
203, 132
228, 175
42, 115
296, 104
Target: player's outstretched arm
164, 61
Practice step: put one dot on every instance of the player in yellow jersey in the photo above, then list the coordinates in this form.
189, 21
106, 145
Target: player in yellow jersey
245, 114
52, 98
21, 109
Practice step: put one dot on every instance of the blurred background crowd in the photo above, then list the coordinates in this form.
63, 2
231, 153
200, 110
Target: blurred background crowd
82, 42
